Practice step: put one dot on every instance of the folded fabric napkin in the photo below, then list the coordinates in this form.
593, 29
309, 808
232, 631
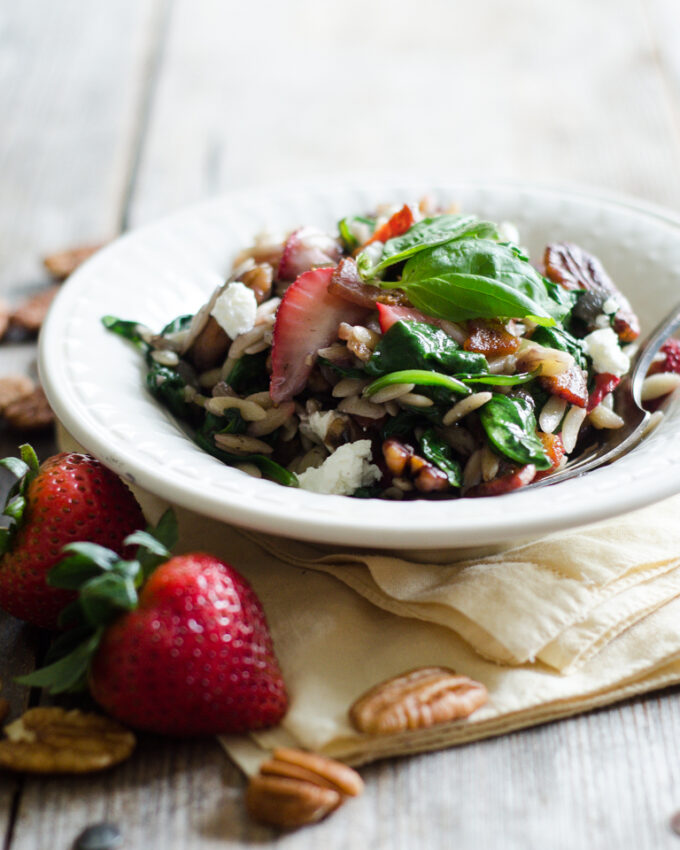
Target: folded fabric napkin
552, 627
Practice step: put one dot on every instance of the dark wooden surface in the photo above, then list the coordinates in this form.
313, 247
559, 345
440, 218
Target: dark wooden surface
116, 112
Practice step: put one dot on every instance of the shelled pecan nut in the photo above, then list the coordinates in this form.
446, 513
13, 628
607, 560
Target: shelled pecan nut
30, 412
14, 387
297, 787
53, 740
416, 700
30, 315
63, 263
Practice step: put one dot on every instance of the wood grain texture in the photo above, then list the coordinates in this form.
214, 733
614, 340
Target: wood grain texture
523, 88
121, 111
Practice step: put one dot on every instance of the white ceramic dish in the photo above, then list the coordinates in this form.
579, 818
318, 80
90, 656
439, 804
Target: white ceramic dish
94, 380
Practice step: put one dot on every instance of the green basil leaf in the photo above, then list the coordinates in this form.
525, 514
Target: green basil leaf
510, 426
416, 345
438, 452
479, 278
417, 376
424, 234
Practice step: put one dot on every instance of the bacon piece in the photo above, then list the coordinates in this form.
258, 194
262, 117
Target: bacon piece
490, 338
512, 480
604, 384
347, 284
554, 448
573, 268
570, 385
399, 223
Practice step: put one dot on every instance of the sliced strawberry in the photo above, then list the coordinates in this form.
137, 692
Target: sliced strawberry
307, 320
491, 338
388, 314
671, 348
306, 249
570, 385
604, 384
554, 448
512, 480
399, 223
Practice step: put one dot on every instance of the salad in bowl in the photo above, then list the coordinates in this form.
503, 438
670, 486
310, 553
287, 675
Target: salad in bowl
417, 353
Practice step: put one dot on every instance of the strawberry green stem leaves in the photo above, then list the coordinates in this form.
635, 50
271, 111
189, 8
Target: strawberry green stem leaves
107, 587
25, 469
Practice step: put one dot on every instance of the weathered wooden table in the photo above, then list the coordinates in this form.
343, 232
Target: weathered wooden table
113, 113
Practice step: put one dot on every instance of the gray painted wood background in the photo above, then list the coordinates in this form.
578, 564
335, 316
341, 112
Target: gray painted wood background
115, 112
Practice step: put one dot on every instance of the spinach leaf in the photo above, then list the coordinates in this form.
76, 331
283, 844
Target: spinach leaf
424, 234
420, 377
564, 341
438, 452
347, 237
128, 330
510, 425
167, 385
479, 278
498, 380
345, 371
416, 345
181, 323
230, 422
249, 374
269, 468
371, 492
401, 425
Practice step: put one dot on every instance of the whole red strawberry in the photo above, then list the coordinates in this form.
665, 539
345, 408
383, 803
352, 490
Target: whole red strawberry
177, 646
70, 497
195, 658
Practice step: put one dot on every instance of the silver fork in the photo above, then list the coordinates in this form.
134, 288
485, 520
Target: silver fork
637, 419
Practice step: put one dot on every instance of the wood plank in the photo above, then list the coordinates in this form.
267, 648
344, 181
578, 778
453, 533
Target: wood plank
71, 80
517, 89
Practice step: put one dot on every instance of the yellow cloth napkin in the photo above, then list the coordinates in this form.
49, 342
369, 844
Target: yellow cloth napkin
553, 627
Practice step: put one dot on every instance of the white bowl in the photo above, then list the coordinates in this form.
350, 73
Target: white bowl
95, 381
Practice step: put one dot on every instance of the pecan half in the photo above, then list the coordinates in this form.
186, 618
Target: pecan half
13, 387
573, 268
259, 279
53, 740
30, 315
63, 263
295, 788
30, 412
416, 700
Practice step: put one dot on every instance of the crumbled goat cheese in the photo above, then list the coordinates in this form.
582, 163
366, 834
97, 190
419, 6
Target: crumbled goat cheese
235, 309
343, 472
603, 346
610, 306
508, 232
317, 424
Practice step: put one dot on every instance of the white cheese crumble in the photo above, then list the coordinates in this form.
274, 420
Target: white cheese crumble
318, 423
610, 306
343, 472
603, 346
235, 309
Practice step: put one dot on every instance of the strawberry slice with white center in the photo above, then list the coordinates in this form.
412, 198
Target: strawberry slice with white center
388, 314
307, 320
305, 249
